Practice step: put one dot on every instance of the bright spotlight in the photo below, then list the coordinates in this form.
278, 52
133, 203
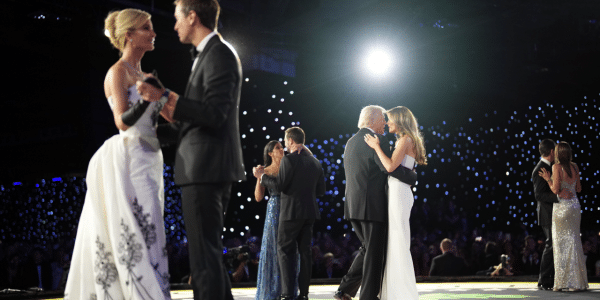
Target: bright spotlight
379, 62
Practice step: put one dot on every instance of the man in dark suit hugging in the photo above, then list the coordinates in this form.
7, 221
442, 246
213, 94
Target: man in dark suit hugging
546, 200
300, 180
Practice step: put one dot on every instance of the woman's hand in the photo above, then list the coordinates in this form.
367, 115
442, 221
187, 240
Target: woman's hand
372, 141
258, 171
544, 174
148, 91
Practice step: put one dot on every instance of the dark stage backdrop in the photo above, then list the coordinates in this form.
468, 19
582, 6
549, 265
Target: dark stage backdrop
485, 89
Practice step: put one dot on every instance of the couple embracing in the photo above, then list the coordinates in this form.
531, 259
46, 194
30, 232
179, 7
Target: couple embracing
120, 250
383, 267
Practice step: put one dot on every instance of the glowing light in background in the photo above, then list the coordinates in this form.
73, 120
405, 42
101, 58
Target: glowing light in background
379, 62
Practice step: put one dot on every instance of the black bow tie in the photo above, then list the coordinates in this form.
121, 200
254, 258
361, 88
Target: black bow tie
194, 53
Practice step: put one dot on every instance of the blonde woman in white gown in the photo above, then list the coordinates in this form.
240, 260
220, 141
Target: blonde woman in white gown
399, 275
120, 248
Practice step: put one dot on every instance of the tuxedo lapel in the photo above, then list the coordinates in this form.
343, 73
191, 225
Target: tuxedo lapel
210, 43
215, 39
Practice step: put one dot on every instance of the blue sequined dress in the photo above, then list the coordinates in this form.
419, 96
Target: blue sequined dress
268, 282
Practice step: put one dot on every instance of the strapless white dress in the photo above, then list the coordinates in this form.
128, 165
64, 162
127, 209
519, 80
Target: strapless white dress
399, 276
120, 248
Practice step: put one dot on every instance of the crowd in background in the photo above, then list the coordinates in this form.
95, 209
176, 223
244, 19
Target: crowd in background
24, 265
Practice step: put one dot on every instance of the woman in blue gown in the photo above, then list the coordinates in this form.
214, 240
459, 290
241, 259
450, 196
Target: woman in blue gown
268, 282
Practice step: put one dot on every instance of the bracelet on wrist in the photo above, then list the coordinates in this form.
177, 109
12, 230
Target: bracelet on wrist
164, 97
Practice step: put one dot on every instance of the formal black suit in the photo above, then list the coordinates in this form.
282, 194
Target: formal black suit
301, 180
447, 264
367, 209
208, 160
545, 199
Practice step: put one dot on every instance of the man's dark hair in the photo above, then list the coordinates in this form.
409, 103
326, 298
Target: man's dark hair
207, 11
546, 146
296, 134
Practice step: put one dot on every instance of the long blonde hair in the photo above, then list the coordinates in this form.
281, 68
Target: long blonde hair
119, 22
406, 124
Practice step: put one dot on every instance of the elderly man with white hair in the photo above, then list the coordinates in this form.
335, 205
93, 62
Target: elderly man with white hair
366, 206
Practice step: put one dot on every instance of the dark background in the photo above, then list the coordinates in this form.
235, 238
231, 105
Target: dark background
456, 59
463, 67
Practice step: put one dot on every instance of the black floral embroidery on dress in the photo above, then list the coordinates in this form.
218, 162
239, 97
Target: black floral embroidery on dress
129, 248
166, 287
148, 229
130, 254
165, 277
105, 269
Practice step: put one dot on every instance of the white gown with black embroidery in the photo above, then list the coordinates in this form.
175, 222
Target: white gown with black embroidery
120, 249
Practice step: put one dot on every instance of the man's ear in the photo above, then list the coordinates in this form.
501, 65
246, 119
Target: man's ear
192, 17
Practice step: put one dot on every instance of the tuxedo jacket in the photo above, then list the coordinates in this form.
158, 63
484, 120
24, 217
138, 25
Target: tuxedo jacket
301, 180
207, 123
543, 194
447, 264
366, 179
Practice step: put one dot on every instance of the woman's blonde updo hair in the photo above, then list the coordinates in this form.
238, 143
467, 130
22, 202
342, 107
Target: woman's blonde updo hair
119, 22
406, 124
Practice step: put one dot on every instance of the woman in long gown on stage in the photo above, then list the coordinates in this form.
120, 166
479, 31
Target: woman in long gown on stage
570, 273
120, 248
268, 282
399, 275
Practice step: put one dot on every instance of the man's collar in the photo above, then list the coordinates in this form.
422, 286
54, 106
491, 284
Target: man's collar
546, 161
205, 40
373, 131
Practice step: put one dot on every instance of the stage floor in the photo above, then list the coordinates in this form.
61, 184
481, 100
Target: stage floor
437, 291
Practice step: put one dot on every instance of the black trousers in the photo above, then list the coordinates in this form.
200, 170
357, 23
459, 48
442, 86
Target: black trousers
547, 263
367, 268
292, 236
203, 207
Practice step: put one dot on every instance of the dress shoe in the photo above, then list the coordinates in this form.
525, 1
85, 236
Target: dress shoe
285, 297
302, 298
544, 287
339, 295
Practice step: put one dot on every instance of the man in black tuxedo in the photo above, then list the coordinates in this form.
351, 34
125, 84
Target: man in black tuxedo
545, 199
367, 206
447, 264
301, 180
204, 122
